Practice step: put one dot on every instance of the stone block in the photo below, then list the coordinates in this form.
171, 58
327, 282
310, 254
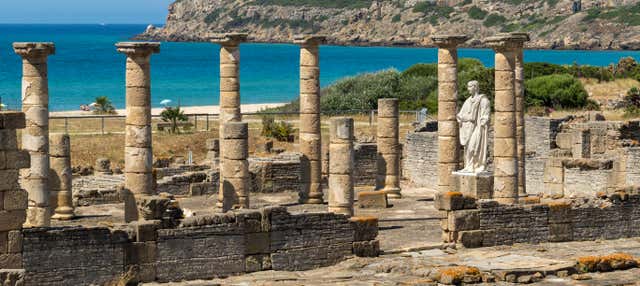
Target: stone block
138, 160
235, 130
14, 241
235, 168
11, 261
138, 136
449, 201
559, 212
560, 232
369, 248
12, 220
258, 243
479, 186
15, 200
471, 238
365, 228
372, 199
12, 120
463, 220
236, 149
146, 230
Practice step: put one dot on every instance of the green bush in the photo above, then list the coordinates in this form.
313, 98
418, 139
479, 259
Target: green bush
477, 13
279, 130
318, 3
360, 92
494, 20
632, 102
423, 7
396, 18
557, 91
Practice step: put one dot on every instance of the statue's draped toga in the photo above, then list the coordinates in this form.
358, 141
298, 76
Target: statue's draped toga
474, 117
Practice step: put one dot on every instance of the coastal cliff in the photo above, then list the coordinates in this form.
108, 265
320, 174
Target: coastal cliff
552, 24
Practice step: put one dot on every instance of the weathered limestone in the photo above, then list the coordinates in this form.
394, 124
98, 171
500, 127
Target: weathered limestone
388, 177
229, 86
234, 167
103, 167
310, 137
138, 156
520, 106
60, 177
448, 133
341, 156
35, 137
505, 186
13, 199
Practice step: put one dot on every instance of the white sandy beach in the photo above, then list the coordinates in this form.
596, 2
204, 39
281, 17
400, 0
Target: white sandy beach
210, 109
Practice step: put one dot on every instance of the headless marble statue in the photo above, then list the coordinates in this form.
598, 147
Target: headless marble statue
474, 119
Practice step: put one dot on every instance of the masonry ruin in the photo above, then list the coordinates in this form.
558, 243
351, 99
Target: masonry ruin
550, 180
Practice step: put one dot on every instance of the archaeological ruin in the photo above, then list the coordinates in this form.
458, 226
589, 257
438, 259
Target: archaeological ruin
480, 174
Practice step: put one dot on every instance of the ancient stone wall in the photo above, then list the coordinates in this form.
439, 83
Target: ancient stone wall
490, 223
280, 173
420, 159
540, 137
365, 168
199, 247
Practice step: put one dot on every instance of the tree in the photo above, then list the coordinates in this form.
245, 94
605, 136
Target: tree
104, 106
173, 115
632, 102
556, 91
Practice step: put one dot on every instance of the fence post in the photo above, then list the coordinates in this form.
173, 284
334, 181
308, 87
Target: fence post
102, 125
371, 117
66, 125
207, 121
196, 124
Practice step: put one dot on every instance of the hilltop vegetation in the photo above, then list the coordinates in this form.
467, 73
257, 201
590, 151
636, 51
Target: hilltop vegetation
551, 23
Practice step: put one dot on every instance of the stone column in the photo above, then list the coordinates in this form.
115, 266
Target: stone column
388, 162
341, 156
60, 177
229, 87
505, 182
14, 203
310, 135
520, 109
213, 153
35, 137
448, 137
138, 153
234, 166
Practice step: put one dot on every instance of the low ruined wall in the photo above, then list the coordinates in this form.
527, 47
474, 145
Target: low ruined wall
420, 164
540, 137
200, 247
490, 224
280, 173
365, 164
73, 255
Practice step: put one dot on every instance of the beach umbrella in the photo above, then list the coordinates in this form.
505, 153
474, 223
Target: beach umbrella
93, 104
165, 102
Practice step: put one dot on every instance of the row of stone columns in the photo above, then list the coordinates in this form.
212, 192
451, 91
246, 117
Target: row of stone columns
509, 145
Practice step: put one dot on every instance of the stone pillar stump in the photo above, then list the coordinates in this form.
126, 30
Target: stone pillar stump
138, 154
505, 184
388, 154
234, 166
60, 177
341, 166
35, 137
310, 135
448, 132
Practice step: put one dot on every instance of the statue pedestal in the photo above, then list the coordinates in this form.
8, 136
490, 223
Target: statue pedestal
479, 186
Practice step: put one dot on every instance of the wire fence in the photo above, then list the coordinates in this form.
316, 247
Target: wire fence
113, 124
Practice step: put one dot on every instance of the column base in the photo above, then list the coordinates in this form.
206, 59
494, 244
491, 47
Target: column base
38, 217
63, 213
341, 210
479, 186
393, 193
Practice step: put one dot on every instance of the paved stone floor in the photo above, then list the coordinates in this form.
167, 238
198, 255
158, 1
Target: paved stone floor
411, 245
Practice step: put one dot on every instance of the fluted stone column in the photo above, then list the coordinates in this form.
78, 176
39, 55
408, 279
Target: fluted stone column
138, 157
229, 87
234, 166
341, 165
60, 176
388, 161
520, 110
35, 137
505, 183
448, 132
310, 135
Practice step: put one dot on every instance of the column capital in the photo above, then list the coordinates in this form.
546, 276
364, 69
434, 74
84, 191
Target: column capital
229, 39
34, 49
521, 38
449, 41
505, 42
309, 40
138, 48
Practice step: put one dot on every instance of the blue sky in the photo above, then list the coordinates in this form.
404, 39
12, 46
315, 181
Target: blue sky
84, 11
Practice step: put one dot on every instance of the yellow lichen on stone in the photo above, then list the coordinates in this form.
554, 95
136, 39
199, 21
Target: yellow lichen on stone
530, 200
615, 261
365, 219
559, 205
452, 194
455, 274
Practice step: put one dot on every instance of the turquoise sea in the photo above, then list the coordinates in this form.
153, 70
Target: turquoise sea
87, 65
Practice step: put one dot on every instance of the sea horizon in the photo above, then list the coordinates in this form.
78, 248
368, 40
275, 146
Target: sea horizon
86, 65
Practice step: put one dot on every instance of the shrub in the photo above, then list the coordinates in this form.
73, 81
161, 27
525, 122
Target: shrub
173, 115
279, 130
557, 91
360, 92
494, 20
396, 18
423, 7
477, 13
632, 102
103, 105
